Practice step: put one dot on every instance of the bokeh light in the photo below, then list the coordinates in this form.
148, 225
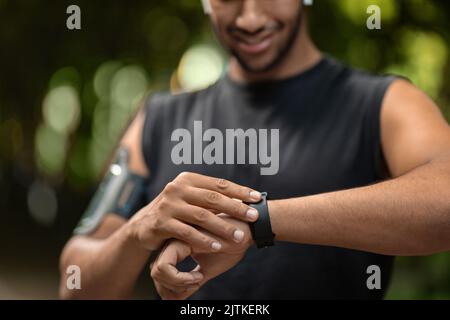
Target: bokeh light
67, 76
61, 109
424, 55
424, 10
51, 150
128, 85
42, 204
101, 140
103, 76
199, 67
119, 89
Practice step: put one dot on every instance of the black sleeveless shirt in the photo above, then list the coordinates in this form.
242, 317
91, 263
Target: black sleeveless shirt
329, 139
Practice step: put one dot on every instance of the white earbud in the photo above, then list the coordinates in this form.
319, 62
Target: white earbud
206, 6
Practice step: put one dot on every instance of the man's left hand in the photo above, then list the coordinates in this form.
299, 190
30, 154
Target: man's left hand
172, 284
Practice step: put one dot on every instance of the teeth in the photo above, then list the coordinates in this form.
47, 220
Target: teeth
254, 41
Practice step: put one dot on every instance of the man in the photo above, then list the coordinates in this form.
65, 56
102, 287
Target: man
362, 175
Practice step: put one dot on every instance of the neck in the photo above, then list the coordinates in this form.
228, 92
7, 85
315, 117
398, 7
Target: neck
302, 56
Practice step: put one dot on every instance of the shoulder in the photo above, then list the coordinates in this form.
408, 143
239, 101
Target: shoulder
414, 130
405, 103
404, 94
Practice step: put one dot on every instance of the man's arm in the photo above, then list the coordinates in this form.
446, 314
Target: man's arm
109, 260
112, 257
407, 215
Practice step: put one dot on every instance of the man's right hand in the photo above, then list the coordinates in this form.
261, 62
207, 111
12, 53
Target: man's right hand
188, 204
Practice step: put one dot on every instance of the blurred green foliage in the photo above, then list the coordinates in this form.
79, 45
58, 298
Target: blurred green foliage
66, 96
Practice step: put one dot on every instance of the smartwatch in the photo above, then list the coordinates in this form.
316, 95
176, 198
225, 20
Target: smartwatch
262, 229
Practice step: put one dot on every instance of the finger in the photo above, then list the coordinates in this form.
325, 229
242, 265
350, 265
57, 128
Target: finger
164, 268
167, 294
171, 254
171, 276
168, 291
212, 223
179, 289
217, 201
181, 231
223, 186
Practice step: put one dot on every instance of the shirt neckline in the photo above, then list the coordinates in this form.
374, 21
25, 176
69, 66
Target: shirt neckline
263, 86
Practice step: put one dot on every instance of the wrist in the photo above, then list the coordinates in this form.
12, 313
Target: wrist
125, 243
291, 219
143, 239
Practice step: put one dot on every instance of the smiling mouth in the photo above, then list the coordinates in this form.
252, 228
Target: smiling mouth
254, 46
257, 43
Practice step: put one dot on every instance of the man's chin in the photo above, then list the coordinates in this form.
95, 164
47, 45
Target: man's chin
256, 67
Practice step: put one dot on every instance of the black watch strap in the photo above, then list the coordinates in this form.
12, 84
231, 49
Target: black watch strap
262, 228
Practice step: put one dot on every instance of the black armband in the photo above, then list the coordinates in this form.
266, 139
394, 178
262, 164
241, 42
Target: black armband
121, 192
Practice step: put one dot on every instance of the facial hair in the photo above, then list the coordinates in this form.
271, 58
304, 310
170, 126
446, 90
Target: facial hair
281, 55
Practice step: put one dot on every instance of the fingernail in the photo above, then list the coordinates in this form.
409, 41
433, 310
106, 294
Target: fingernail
238, 235
216, 246
252, 214
255, 195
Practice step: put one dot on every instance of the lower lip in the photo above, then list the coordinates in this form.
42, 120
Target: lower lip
257, 48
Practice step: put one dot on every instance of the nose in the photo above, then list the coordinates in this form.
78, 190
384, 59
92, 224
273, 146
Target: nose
251, 18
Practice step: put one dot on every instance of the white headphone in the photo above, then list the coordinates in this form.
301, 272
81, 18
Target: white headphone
206, 6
